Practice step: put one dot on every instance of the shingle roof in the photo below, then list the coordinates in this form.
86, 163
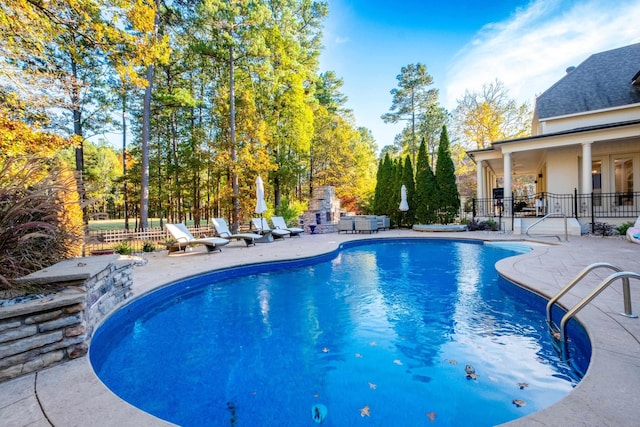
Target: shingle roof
602, 81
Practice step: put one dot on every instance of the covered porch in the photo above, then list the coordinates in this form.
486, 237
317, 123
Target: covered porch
588, 174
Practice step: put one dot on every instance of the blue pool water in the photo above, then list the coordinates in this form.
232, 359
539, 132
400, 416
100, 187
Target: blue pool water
378, 333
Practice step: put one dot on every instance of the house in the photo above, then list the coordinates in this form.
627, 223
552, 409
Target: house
584, 153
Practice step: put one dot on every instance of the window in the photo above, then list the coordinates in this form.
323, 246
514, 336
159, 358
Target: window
623, 171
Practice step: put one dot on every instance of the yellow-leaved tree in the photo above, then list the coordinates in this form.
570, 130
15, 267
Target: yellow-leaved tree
491, 115
40, 214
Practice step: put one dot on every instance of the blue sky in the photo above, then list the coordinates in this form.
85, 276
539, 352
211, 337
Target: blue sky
464, 44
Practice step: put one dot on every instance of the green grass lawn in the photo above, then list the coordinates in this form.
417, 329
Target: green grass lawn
118, 224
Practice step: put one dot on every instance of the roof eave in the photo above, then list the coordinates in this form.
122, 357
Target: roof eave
583, 113
570, 131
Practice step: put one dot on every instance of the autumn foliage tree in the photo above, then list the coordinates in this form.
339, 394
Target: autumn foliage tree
490, 115
18, 139
480, 119
232, 90
40, 214
56, 56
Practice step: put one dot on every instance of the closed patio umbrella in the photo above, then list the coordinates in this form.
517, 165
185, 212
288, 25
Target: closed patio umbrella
261, 206
404, 206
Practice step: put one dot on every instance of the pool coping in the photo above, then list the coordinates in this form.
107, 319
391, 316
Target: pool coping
71, 394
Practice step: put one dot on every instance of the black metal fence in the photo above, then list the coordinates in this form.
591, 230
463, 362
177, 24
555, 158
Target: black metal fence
595, 207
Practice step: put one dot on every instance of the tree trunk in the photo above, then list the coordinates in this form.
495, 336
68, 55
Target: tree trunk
77, 130
196, 171
124, 159
161, 203
413, 128
235, 218
276, 180
144, 166
174, 161
277, 193
146, 124
77, 116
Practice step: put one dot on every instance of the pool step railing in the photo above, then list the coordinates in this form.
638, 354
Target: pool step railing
541, 220
626, 293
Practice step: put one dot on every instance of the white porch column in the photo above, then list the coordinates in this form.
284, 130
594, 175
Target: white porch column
587, 180
480, 179
507, 175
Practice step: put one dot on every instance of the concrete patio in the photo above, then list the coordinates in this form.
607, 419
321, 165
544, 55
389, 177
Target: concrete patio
71, 394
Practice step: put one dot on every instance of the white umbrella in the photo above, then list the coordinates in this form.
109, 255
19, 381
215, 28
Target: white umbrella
404, 206
261, 206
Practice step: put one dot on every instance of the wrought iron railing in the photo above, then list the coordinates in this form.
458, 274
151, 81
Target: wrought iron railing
593, 207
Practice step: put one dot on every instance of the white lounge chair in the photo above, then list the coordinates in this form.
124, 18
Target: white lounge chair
184, 238
262, 227
222, 229
279, 224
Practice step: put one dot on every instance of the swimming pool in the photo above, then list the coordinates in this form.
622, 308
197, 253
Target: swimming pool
374, 332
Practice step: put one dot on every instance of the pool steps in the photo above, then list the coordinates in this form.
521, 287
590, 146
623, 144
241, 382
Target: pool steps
560, 332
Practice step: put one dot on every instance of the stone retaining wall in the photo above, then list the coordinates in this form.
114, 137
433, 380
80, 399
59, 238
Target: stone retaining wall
41, 332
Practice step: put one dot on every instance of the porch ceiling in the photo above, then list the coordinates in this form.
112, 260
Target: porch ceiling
522, 163
527, 161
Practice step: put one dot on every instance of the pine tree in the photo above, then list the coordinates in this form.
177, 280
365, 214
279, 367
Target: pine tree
448, 197
377, 194
412, 99
390, 207
426, 189
384, 187
408, 181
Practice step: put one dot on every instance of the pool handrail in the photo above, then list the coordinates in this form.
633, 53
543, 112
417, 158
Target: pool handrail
572, 283
551, 215
626, 293
624, 275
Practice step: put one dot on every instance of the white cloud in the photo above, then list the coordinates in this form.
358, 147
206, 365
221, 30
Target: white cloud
530, 51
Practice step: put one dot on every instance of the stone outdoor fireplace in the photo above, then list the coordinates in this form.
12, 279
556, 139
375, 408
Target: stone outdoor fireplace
324, 211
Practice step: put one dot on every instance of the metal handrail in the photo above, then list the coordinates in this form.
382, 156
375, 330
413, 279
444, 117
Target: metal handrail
566, 233
574, 282
624, 275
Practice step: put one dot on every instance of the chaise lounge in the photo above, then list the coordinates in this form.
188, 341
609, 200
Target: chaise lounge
222, 229
262, 227
184, 238
280, 224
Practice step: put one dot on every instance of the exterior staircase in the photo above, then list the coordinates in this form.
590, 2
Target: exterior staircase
550, 227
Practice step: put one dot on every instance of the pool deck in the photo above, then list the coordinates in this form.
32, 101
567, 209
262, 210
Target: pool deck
71, 395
